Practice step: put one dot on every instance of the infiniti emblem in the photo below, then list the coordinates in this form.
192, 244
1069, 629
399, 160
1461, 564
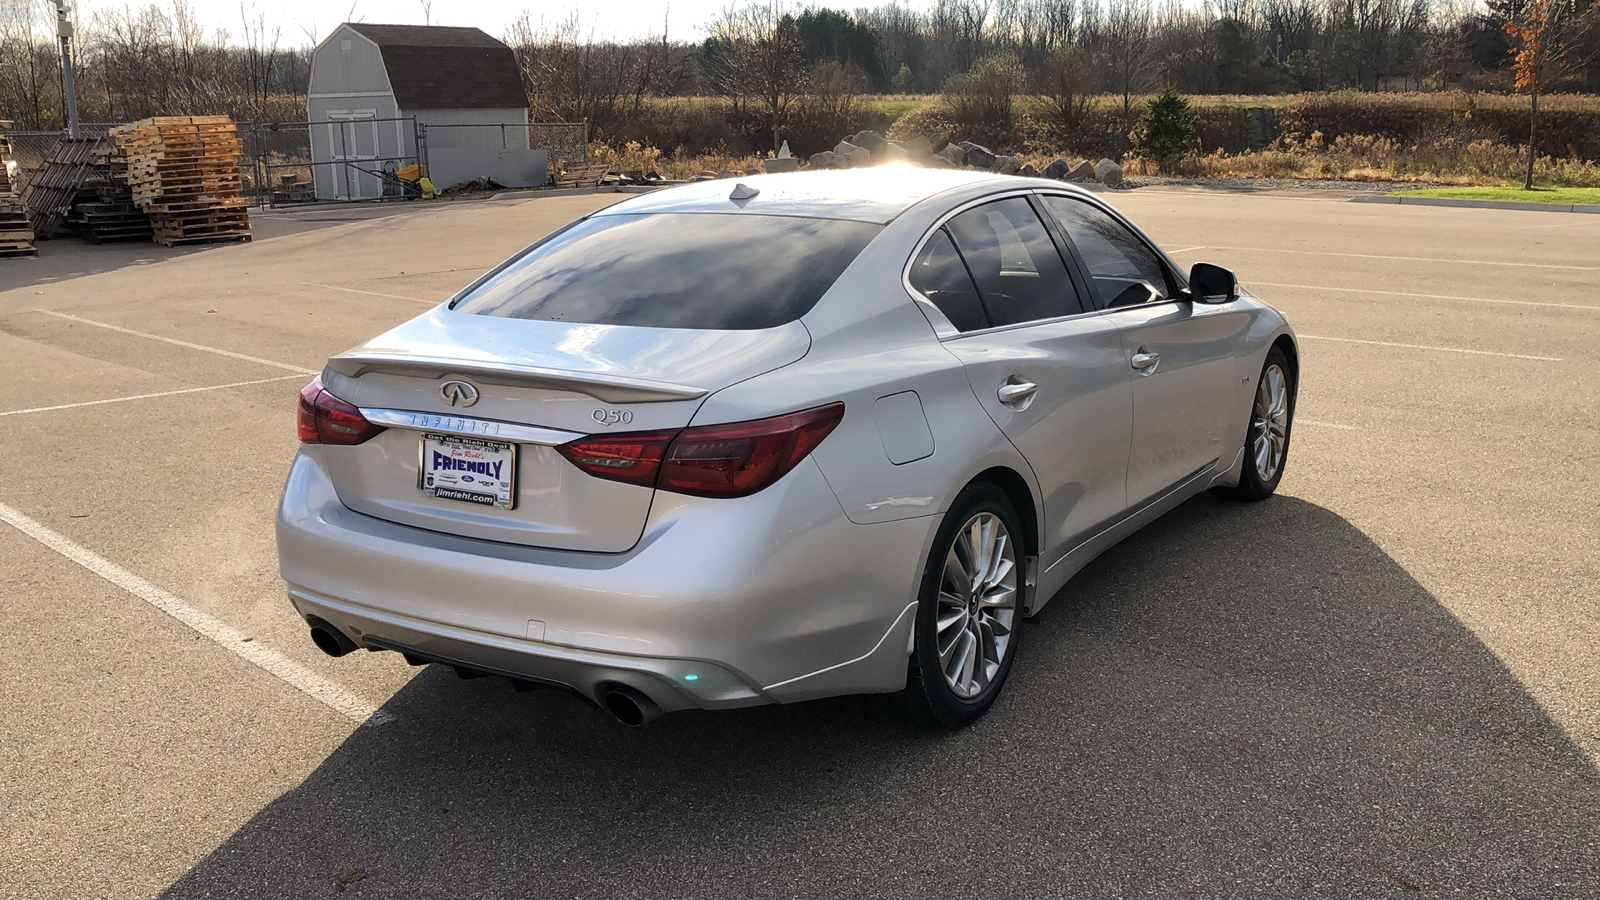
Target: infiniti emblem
458, 393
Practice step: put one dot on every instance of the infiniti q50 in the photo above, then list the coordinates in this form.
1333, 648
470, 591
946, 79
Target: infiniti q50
740, 443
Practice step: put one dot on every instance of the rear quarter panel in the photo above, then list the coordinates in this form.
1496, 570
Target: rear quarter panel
869, 340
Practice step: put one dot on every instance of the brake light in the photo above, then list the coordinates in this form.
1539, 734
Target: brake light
325, 419
732, 460
738, 459
632, 458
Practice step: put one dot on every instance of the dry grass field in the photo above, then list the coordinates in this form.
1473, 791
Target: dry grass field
1447, 137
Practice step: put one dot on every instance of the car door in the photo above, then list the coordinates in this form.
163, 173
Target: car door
1182, 353
1047, 369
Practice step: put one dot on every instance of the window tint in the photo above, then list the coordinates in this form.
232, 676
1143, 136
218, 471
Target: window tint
1019, 274
939, 275
676, 270
1119, 263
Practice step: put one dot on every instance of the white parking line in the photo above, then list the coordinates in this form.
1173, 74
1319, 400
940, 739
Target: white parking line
177, 343
214, 387
1454, 262
1318, 337
331, 695
335, 287
1326, 425
1186, 250
1345, 290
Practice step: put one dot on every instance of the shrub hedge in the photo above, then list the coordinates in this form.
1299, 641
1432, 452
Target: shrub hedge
1570, 129
1569, 124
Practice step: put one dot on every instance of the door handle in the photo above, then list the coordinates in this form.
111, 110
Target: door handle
1016, 392
1145, 361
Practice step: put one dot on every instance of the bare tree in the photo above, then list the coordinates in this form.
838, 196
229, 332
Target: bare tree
832, 97
1067, 80
983, 100
763, 60
260, 59
1127, 42
28, 66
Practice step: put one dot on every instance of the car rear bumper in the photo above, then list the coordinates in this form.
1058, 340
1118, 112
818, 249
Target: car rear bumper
672, 683
774, 597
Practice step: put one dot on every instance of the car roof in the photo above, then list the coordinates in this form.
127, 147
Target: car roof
875, 195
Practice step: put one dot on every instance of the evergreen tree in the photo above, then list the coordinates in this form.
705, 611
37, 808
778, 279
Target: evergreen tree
1165, 133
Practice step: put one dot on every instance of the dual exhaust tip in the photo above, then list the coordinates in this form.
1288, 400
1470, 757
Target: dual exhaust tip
627, 705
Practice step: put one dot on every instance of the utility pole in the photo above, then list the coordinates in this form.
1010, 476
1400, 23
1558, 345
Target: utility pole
68, 86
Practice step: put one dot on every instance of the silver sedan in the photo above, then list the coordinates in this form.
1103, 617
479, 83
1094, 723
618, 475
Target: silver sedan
764, 441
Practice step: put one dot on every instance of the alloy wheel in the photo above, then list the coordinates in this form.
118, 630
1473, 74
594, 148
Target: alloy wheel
1269, 425
977, 605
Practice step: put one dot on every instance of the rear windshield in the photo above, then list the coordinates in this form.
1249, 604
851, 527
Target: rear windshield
675, 270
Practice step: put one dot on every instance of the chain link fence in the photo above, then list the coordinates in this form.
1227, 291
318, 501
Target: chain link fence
294, 163
278, 157
30, 149
567, 142
278, 168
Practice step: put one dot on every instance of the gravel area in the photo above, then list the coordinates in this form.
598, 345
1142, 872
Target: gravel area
1261, 185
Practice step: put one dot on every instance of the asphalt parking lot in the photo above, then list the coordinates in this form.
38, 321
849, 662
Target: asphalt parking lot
1385, 681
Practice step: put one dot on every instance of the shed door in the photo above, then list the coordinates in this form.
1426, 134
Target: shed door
353, 140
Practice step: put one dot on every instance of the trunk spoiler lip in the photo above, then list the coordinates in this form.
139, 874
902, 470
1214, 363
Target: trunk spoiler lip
601, 386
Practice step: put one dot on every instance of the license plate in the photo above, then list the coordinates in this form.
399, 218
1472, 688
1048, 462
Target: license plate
469, 470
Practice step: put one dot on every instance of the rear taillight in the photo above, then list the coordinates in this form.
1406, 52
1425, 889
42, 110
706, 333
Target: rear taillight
632, 458
733, 460
744, 457
325, 419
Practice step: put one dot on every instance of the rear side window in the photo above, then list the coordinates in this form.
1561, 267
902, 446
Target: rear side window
676, 270
1119, 263
1018, 270
941, 276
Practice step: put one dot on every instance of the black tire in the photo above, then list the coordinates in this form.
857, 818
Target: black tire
929, 698
1254, 484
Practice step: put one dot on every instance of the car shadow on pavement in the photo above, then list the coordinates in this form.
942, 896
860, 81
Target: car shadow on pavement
1242, 700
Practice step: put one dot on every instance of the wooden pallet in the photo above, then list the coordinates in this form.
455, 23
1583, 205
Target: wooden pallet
198, 222
103, 223
52, 189
183, 172
196, 204
16, 228
588, 176
168, 241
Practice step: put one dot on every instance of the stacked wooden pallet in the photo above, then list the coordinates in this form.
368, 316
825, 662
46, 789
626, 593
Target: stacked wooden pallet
183, 172
16, 232
104, 210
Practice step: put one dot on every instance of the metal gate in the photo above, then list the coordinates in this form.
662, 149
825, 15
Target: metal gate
351, 156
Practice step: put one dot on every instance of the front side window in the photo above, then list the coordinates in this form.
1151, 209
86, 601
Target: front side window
1013, 261
1125, 271
675, 270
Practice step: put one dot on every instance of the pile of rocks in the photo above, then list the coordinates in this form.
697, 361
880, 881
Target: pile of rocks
868, 148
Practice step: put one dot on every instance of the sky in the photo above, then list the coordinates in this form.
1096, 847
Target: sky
609, 19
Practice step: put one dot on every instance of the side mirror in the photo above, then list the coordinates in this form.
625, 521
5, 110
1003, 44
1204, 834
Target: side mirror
1212, 284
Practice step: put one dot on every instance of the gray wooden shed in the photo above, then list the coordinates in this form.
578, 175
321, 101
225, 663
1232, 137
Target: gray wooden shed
368, 80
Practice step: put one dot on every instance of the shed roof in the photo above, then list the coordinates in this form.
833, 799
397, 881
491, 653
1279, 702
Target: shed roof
439, 67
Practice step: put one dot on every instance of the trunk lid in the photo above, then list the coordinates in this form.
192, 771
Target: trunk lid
534, 385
